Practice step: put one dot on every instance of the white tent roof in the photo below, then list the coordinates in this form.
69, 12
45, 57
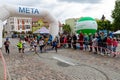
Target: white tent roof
117, 32
42, 30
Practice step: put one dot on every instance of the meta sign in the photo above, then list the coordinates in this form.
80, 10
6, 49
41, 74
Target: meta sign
28, 10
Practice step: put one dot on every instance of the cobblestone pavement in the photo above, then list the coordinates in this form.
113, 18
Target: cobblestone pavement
66, 64
28, 67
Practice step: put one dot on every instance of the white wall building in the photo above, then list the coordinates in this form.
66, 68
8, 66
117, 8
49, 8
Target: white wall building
72, 23
18, 24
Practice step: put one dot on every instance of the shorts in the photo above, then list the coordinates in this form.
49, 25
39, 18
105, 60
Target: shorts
35, 45
19, 49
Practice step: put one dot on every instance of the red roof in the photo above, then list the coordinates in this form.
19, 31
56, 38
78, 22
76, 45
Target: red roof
35, 19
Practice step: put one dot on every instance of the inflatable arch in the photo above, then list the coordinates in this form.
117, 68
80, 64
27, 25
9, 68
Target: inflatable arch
24, 11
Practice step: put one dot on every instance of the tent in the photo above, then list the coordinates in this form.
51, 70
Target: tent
117, 32
42, 30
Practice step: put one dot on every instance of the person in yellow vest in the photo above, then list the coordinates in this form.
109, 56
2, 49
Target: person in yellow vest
20, 45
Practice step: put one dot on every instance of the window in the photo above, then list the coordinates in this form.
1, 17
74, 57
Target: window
27, 26
20, 21
12, 27
20, 26
11, 22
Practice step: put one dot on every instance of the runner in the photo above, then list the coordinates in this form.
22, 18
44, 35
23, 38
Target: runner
7, 43
20, 46
41, 44
54, 44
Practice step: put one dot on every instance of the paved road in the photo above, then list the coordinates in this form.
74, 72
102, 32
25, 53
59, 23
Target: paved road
66, 64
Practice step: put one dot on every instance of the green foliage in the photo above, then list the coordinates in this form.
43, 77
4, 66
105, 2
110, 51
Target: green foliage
116, 15
15, 32
5, 32
39, 24
29, 32
66, 28
23, 32
35, 28
106, 24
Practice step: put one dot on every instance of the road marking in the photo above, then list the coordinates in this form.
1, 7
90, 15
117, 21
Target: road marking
63, 60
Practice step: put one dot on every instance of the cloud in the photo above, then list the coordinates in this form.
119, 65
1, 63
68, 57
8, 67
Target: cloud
28, 3
21, 2
64, 9
82, 1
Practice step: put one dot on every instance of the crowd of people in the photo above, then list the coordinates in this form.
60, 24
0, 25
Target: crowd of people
97, 43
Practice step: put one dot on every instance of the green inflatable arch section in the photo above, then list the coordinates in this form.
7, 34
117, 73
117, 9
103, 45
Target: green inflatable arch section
87, 31
86, 19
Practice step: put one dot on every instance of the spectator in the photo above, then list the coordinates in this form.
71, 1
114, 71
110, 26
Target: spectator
69, 39
74, 38
109, 44
81, 38
65, 41
95, 44
86, 38
115, 44
90, 41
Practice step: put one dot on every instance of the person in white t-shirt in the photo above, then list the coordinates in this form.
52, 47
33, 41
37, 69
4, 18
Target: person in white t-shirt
35, 45
41, 44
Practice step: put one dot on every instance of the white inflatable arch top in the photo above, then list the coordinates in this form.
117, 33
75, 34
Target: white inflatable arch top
24, 11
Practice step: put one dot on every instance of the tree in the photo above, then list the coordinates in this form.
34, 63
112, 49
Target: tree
116, 15
15, 32
66, 28
106, 24
22, 32
29, 32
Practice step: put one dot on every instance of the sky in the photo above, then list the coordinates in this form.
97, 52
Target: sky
64, 9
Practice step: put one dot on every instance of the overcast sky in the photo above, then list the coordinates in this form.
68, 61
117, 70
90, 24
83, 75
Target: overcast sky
63, 9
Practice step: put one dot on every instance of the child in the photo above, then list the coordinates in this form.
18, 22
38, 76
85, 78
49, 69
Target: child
115, 44
20, 45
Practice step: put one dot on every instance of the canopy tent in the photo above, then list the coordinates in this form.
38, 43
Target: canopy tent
42, 30
117, 32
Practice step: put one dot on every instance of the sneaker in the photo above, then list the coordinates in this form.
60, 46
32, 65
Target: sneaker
102, 54
95, 52
114, 55
108, 54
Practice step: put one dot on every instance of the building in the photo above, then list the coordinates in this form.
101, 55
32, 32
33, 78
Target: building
72, 23
37, 23
18, 24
